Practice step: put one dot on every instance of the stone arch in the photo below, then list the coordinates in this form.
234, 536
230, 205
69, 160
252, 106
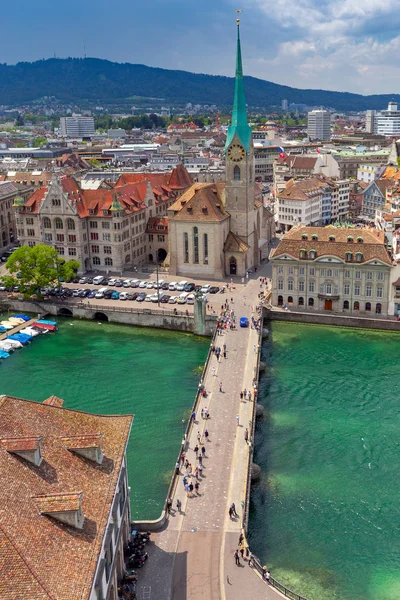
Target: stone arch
161, 254
232, 266
280, 300
64, 312
100, 316
70, 224
58, 223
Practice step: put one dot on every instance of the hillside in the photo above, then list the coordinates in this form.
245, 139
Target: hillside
101, 81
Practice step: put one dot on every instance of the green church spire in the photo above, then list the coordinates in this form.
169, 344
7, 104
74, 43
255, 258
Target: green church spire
239, 124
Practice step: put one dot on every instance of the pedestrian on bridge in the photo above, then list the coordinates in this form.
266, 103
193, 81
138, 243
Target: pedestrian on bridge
237, 420
237, 559
220, 386
206, 434
179, 505
246, 435
214, 371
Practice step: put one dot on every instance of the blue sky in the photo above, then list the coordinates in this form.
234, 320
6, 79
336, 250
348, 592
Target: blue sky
345, 45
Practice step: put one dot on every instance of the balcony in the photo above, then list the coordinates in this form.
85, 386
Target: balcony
328, 296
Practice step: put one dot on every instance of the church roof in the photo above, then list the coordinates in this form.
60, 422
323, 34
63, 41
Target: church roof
239, 125
201, 202
234, 243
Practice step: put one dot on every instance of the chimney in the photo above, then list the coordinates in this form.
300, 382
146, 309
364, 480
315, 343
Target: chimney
66, 508
25, 447
88, 446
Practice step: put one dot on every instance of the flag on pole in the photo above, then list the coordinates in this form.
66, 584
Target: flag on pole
281, 152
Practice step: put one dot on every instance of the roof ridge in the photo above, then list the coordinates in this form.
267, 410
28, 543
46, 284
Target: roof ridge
22, 557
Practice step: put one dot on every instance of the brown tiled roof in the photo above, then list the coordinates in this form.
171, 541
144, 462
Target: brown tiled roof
90, 440
234, 243
154, 222
302, 190
53, 503
372, 247
201, 202
302, 163
19, 444
54, 401
43, 558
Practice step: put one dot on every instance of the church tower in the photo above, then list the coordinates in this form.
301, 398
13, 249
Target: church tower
240, 168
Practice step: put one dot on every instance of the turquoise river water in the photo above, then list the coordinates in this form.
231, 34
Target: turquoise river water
118, 369
325, 517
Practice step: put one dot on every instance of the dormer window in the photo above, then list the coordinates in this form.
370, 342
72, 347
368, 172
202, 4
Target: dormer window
66, 508
91, 211
88, 446
313, 254
331, 238
349, 256
314, 237
303, 253
350, 238
360, 239
189, 209
25, 447
304, 236
359, 256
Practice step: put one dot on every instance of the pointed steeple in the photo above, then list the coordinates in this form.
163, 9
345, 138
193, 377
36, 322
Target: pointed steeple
116, 205
239, 124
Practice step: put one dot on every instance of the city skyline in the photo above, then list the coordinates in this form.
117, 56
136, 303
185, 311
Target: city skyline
305, 45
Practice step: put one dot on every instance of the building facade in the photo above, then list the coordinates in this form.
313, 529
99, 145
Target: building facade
9, 192
77, 126
65, 518
319, 125
385, 122
332, 269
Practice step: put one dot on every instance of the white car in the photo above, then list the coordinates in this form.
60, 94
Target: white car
123, 296
172, 286
148, 298
149, 285
159, 284
135, 283
205, 289
182, 299
100, 293
142, 284
189, 300
181, 286
111, 281
172, 300
155, 297
126, 283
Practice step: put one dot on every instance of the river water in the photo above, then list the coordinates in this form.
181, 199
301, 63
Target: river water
118, 369
325, 517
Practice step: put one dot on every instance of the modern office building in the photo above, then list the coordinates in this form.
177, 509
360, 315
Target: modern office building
385, 122
319, 125
77, 126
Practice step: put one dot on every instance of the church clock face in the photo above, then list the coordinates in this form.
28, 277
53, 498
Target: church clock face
236, 152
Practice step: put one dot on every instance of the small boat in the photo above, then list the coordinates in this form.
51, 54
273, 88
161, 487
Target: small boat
47, 322
12, 343
23, 317
16, 321
4, 354
7, 325
2, 329
6, 346
40, 330
47, 326
29, 331
21, 337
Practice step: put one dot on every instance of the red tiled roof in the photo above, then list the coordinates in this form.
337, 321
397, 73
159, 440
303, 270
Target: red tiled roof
154, 222
41, 559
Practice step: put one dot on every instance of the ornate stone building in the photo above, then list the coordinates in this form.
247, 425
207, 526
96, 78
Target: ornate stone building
218, 229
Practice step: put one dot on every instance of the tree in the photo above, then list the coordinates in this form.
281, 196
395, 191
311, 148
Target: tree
37, 267
19, 121
39, 142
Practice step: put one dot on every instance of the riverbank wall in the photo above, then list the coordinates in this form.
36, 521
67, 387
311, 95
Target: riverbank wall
333, 320
142, 317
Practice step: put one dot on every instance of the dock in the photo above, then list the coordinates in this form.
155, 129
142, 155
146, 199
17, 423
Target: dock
7, 334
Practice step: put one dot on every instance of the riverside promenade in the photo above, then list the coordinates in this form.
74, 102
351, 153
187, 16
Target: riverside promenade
192, 557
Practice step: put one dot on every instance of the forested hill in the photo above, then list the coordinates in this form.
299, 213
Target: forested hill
102, 81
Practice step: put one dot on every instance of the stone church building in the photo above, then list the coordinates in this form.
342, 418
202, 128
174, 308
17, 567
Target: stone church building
221, 229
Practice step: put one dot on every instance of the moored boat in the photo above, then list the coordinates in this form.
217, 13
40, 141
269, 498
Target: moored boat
23, 317
29, 331
7, 325
47, 326
4, 354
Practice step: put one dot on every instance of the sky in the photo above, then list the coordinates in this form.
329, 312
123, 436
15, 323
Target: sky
343, 45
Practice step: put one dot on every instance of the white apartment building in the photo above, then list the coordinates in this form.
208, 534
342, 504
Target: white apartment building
368, 173
77, 126
319, 125
385, 122
324, 269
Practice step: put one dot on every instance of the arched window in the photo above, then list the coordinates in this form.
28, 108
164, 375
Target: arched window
58, 223
46, 223
280, 300
359, 256
349, 256
205, 238
301, 301
195, 245
311, 302
96, 260
356, 305
290, 299
236, 173
329, 288
346, 305
233, 266
313, 254
186, 247
378, 308
368, 306
303, 253
11, 234
108, 261
70, 224
329, 273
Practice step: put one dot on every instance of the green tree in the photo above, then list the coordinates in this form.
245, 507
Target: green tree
19, 121
39, 141
37, 267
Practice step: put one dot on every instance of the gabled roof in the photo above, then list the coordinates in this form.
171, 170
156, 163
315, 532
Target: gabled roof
154, 223
201, 202
234, 243
41, 559
302, 190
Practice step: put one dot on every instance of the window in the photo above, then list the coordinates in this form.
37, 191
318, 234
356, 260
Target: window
236, 173
358, 274
205, 243
31, 243
280, 284
311, 302
346, 289
108, 261
313, 254
48, 237
380, 275
280, 270
359, 256
290, 285
186, 247
95, 249
356, 305
96, 260
329, 273
161, 238
72, 251
368, 306
93, 224
60, 237
356, 290
56, 202
105, 224
346, 304
30, 232
378, 309
29, 221
46, 223
328, 288
301, 286
291, 270
71, 224
301, 271
95, 236
368, 291
72, 238
369, 275
106, 249
301, 301
151, 237
349, 256
379, 292
311, 286
195, 244
58, 223
312, 271
347, 274
60, 250
106, 237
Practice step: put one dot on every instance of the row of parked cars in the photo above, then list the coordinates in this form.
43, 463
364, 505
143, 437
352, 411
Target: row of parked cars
181, 286
4, 257
109, 294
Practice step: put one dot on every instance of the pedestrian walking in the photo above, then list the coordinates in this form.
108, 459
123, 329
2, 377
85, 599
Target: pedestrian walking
255, 348
193, 417
249, 395
203, 451
233, 507
182, 458
200, 459
220, 386
199, 437
186, 464
241, 394
196, 487
214, 371
169, 506
178, 505
206, 434
201, 470
187, 489
191, 489
231, 514
246, 435
241, 538
247, 553
268, 576
224, 353
177, 471
196, 472
224, 347
242, 549
184, 481
190, 470
237, 559
237, 420
196, 449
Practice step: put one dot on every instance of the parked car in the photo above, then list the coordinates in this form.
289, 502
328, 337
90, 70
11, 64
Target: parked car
111, 281
141, 297
83, 280
149, 285
205, 289
99, 279
148, 298
118, 283
172, 300
189, 287
132, 296
155, 297
165, 285
101, 292
142, 284
108, 294
164, 299
115, 296
214, 289
172, 286
126, 283
123, 296
182, 299
75, 293
181, 286
190, 299
91, 294
135, 283
89, 280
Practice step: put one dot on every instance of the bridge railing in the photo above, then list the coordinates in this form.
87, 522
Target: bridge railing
288, 593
